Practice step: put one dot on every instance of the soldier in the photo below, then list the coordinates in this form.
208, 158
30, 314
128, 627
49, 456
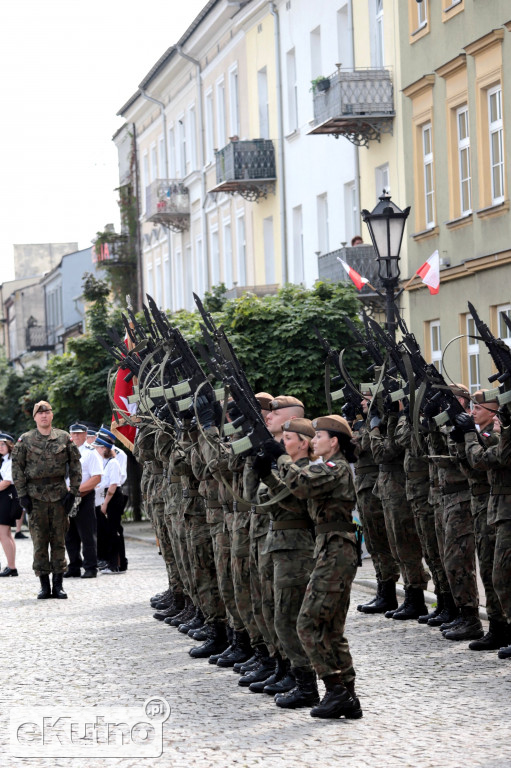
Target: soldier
330, 493
40, 461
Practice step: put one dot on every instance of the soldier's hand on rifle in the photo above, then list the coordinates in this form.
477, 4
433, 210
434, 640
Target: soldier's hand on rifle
273, 449
504, 416
375, 422
465, 423
262, 465
26, 503
430, 409
205, 411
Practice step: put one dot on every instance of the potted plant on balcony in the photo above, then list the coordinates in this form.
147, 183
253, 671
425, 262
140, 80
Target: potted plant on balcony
320, 84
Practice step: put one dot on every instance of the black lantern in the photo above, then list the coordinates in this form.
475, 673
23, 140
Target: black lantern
386, 225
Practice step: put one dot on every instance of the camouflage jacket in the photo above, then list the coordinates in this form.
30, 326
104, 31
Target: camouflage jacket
477, 478
41, 463
208, 486
451, 480
366, 468
496, 459
180, 464
216, 455
416, 462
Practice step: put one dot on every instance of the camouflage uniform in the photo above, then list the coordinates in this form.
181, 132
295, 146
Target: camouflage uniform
40, 464
330, 493
402, 532
416, 466
458, 528
170, 497
370, 507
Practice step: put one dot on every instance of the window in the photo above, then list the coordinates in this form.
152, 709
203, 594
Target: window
234, 110
192, 144
436, 344
298, 265
161, 158
496, 144
150, 283
429, 193
210, 137
503, 330
344, 41
382, 179
167, 298
379, 50
418, 19
158, 284
179, 280
145, 179
154, 163
215, 258
227, 250
269, 253
472, 356
315, 44
464, 159
188, 280
422, 14
181, 149
292, 91
200, 268
264, 111
322, 213
172, 154
241, 251
220, 114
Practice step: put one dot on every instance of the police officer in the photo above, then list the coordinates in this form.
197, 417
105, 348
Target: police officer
40, 461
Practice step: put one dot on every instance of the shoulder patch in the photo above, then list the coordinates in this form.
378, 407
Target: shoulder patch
316, 468
486, 434
330, 463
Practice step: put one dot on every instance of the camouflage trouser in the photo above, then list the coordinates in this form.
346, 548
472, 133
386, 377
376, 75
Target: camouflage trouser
183, 561
240, 562
261, 590
204, 572
459, 551
322, 617
48, 524
222, 553
402, 531
175, 579
485, 535
424, 515
291, 573
502, 566
160, 527
375, 535
439, 530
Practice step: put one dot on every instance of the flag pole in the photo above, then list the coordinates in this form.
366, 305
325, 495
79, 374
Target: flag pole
410, 281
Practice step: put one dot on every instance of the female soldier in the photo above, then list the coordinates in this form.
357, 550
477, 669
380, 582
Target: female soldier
8, 501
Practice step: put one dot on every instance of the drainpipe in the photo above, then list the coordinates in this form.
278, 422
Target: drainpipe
165, 145
202, 161
138, 244
282, 179
357, 149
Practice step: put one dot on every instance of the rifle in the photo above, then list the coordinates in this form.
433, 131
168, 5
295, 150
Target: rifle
348, 391
501, 356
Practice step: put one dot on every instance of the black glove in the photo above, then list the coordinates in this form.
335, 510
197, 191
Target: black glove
273, 449
68, 501
26, 503
505, 416
349, 412
430, 409
262, 465
465, 422
457, 435
391, 407
205, 411
375, 422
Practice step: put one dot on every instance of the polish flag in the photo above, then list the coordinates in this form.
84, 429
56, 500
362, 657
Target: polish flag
123, 389
430, 273
354, 276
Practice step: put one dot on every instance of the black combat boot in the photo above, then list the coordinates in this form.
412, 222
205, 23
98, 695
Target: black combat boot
494, 639
57, 590
286, 683
304, 694
337, 701
186, 614
238, 652
200, 634
437, 610
414, 605
195, 622
505, 653
246, 666
390, 614
469, 628
362, 606
278, 673
385, 601
448, 613
45, 591
216, 642
175, 606
262, 671
165, 601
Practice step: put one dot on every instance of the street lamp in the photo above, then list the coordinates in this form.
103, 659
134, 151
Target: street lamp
386, 224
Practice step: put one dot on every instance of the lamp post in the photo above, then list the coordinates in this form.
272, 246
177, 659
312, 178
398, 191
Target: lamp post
386, 225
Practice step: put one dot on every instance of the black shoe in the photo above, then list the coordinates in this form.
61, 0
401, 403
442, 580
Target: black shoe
304, 694
200, 634
14, 572
337, 702
413, 606
186, 614
57, 591
216, 643
45, 591
390, 614
279, 671
263, 671
448, 613
89, 575
385, 601
451, 624
174, 608
246, 666
286, 683
72, 573
469, 628
437, 610
196, 622
238, 652
493, 640
505, 653
20, 535
123, 566
362, 606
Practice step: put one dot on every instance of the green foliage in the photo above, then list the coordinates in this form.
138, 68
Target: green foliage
214, 300
15, 397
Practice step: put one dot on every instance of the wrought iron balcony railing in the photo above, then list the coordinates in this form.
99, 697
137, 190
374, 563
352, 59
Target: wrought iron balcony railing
358, 104
168, 204
361, 258
114, 251
246, 168
38, 339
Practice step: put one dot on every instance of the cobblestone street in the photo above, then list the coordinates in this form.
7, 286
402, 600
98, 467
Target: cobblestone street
427, 702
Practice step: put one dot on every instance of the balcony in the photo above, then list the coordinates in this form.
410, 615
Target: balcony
362, 259
358, 104
168, 204
111, 249
37, 338
246, 168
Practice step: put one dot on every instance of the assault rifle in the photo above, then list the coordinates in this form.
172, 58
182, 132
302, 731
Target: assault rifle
348, 391
501, 356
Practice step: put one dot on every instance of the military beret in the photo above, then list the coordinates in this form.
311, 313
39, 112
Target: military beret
479, 398
4, 437
105, 443
285, 401
301, 426
264, 400
77, 428
460, 390
333, 423
42, 405
104, 431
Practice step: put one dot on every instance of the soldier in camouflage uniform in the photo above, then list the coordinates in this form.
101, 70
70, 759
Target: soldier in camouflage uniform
372, 519
41, 459
399, 519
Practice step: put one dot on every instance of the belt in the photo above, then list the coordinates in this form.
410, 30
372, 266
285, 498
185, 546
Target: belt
46, 480
480, 489
158, 471
453, 488
213, 504
288, 525
390, 467
340, 526
415, 474
367, 470
188, 494
174, 478
238, 506
501, 490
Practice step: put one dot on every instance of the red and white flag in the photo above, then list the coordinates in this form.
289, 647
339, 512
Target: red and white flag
430, 273
122, 390
354, 276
